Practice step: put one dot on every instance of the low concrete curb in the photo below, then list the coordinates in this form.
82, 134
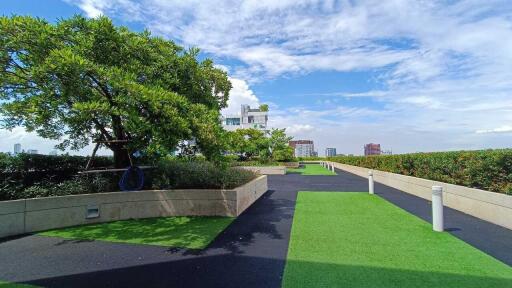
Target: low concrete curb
489, 206
38, 214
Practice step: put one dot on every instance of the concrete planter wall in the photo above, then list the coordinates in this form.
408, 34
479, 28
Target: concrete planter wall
266, 170
492, 207
31, 215
291, 164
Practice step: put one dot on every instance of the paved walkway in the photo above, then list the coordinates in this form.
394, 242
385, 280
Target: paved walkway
250, 253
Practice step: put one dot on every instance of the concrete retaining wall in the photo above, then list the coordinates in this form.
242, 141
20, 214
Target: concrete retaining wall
489, 206
31, 215
266, 170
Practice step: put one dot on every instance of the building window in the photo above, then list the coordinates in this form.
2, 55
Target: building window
232, 121
251, 119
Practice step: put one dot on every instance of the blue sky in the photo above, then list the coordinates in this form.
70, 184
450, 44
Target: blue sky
410, 75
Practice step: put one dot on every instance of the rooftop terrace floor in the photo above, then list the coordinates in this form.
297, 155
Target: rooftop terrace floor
251, 252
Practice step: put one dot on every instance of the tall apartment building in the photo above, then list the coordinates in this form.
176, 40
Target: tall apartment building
330, 152
248, 118
302, 148
372, 149
17, 148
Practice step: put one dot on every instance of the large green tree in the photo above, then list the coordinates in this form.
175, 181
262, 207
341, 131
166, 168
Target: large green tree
82, 79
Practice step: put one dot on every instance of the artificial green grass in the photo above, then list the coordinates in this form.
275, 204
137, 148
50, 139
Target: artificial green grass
15, 285
311, 169
183, 232
360, 240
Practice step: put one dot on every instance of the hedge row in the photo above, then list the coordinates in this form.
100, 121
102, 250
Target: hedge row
19, 172
31, 176
484, 169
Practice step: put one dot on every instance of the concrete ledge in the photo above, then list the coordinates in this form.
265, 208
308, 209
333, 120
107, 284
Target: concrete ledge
266, 170
32, 215
291, 164
489, 206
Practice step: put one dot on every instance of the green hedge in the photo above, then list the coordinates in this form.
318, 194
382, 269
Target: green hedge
31, 176
40, 174
484, 169
176, 174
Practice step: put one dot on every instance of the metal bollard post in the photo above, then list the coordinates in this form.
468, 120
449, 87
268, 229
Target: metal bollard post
437, 209
370, 182
332, 167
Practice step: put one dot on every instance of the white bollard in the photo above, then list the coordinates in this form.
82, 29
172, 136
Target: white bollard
370, 182
332, 167
437, 209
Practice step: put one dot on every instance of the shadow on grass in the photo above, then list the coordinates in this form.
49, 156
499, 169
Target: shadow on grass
187, 232
307, 274
260, 220
193, 236
228, 272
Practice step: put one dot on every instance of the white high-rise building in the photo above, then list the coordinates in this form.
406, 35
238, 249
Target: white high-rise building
17, 148
248, 118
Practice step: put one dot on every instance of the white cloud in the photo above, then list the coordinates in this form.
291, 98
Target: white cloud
239, 94
443, 66
92, 8
299, 129
423, 101
501, 129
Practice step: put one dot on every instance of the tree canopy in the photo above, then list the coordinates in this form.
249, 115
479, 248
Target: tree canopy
268, 146
82, 79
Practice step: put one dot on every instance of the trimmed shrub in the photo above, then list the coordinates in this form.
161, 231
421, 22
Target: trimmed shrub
38, 173
78, 185
175, 174
483, 169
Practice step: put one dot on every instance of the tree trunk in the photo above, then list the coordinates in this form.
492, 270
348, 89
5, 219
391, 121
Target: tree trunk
121, 159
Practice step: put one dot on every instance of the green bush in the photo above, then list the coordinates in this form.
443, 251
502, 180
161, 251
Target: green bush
175, 174
483, 169
77, 185
39, 172
32, 176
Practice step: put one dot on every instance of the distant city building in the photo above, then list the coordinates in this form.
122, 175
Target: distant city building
31, 151
330, 152
53, 153
386, 152
17, 148
248, 118
372, 149
303, 148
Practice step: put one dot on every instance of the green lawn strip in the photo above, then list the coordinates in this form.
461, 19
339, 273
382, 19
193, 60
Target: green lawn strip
15, 285
183, 232
360, 240
310, 169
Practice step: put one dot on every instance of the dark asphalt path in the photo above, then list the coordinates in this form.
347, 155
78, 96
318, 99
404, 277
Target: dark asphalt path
251, 252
